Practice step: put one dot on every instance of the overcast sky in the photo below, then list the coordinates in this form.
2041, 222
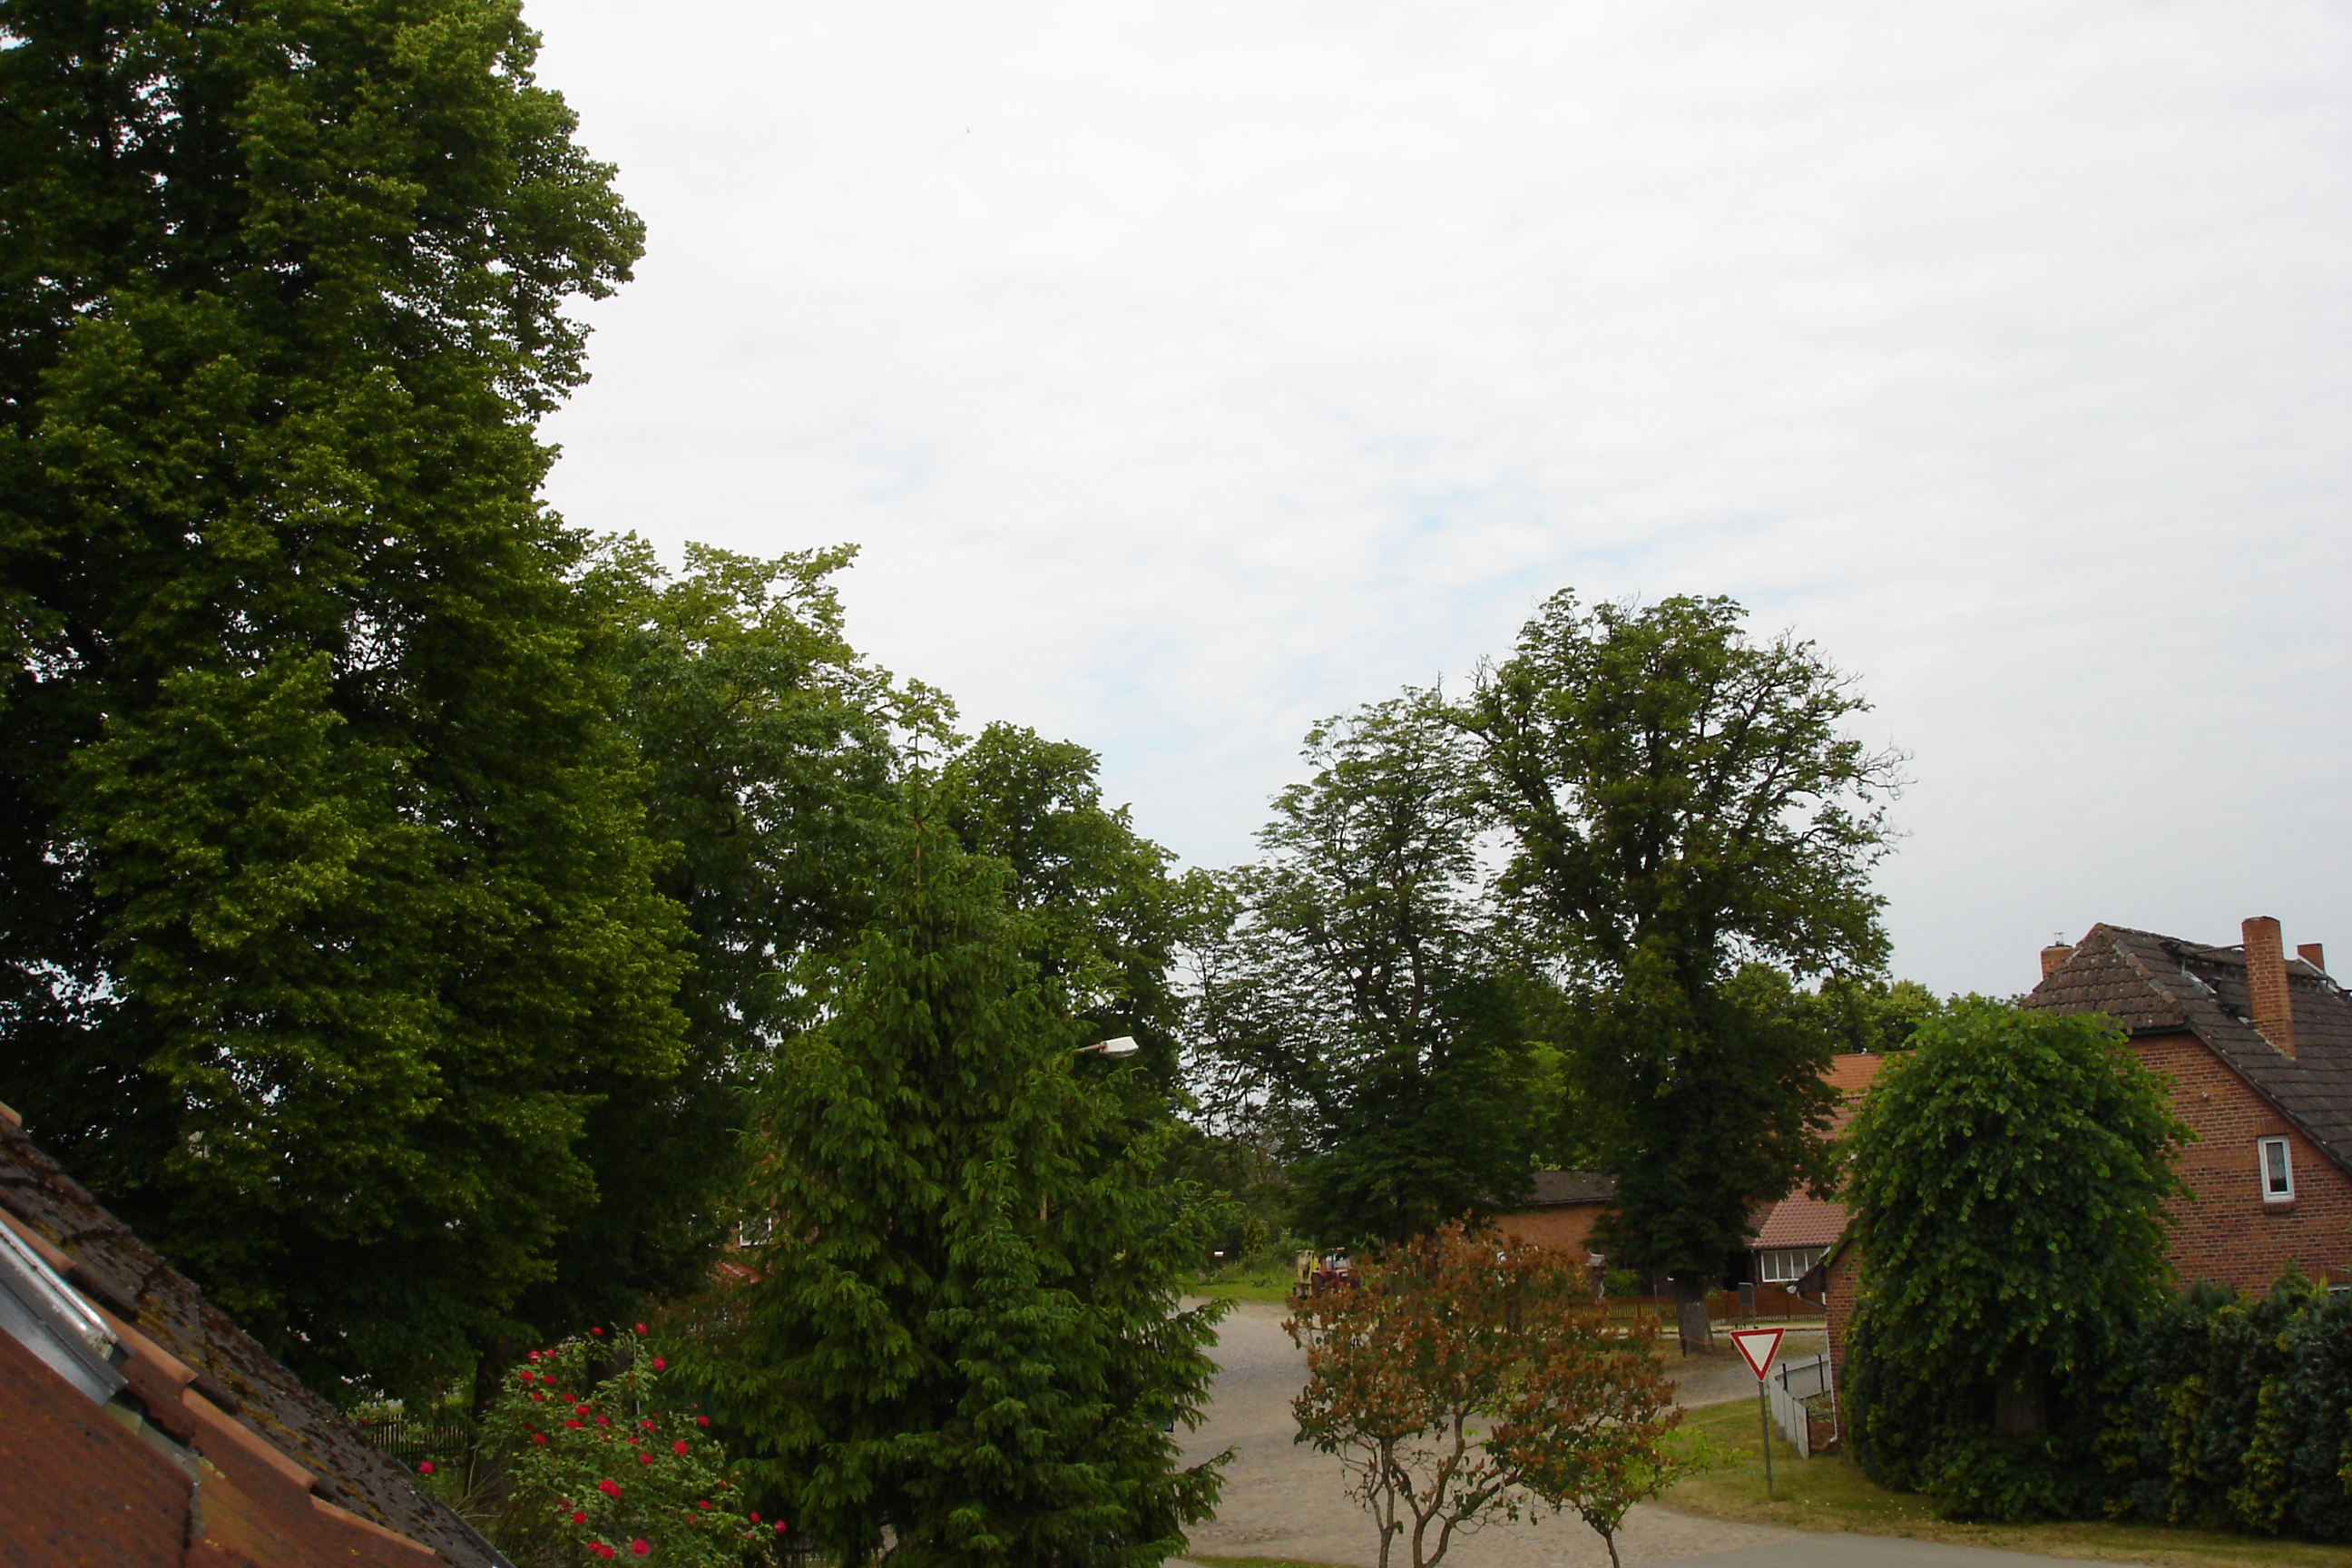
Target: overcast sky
1187, 371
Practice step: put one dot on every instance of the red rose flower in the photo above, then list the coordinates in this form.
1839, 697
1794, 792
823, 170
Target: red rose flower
598, 1332
424, 1468
538, 1396
532, 1356
678, 1447
755, 1519
703, 1503
647, 1423
645, 1459
641, 1327
659, 1364
572, 1423
702, 1421
780, 1527
639, 1547
539, 1437
609, 1488
577, 1517
603, 1421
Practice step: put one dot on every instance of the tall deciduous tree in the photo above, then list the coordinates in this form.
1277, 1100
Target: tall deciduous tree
768, 752
1358, 1006
1686, 807
964, 1332
325, 899
2010, 1173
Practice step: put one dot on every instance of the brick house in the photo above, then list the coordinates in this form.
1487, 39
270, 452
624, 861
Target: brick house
141, 1428
1560, 1213
2258, 1047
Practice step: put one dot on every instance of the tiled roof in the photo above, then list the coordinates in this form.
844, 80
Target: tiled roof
1801, 1220
1553, 1188
116, 1271
2155, 984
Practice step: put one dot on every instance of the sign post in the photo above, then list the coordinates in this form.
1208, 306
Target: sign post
1757, 1347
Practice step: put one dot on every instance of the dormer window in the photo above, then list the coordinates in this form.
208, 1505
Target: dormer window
2278, 1170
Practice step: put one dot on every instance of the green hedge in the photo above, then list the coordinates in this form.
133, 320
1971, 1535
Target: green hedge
2236, 1414
2226, 1414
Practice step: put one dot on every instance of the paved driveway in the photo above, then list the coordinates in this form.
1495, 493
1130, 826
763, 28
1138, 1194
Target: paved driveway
1285, 1499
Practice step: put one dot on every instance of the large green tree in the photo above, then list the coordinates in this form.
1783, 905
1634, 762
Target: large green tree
327, 912
963, 1335
2009, 1174
1105, 913
768, 749
1358, 1008
1688, 814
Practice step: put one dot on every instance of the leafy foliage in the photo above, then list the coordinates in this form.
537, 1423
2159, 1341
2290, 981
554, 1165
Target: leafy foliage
2238, 1414
1457, 1330
601, 1464
326, 907
2010, 1173
1362, 1014
1105, 913
964, 1329
1686, 811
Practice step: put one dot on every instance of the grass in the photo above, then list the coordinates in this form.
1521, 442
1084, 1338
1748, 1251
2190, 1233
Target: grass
1829, 1491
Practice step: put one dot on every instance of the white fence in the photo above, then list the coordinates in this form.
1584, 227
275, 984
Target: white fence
1791, 1383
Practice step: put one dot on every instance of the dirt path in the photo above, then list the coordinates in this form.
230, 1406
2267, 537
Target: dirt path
1283, 1499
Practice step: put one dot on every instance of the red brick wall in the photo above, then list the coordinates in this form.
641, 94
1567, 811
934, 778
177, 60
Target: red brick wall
1565, 1227
2226, 1232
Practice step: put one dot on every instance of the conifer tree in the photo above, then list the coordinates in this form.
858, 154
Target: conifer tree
962, 1337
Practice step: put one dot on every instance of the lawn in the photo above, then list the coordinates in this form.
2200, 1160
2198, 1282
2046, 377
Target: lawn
1829, 1491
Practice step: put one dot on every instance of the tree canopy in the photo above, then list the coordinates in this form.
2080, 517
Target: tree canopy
1360, 1009
2009, 1174
327, 894
1691, 827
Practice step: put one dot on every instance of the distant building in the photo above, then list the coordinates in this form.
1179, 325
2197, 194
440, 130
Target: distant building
1561, 1212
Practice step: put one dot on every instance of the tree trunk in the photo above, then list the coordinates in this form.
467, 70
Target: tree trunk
1690, 1315
2017, 1404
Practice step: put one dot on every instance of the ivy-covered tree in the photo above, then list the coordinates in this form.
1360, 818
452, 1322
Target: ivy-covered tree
1358, 1008
326, 905
963, 1335
1685, 810
2010, 1173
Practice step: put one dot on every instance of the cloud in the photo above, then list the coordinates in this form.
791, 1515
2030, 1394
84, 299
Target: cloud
1189, 373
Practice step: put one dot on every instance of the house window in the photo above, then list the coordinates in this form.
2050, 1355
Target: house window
2278, 1171
1787, 1265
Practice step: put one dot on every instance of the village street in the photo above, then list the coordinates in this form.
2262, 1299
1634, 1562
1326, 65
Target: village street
1284, 1500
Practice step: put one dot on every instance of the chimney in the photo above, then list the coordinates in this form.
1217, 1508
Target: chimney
2311, 952
2056, 953
2266, 993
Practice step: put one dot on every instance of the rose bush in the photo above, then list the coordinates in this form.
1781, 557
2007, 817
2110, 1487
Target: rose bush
600, 1467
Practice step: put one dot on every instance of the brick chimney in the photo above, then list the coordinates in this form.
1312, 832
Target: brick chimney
2266, 993
2056, 953
2313, 955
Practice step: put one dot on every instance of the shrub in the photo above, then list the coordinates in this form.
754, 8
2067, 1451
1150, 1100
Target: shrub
599, 1467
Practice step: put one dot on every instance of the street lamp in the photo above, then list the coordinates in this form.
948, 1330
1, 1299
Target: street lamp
1124, 1046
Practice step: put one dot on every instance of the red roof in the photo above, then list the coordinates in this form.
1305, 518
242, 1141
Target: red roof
1799, 1220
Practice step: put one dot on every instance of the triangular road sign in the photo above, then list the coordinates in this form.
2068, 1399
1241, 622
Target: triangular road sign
1758, 1347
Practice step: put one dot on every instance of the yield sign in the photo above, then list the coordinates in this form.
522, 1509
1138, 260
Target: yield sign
1758, 1347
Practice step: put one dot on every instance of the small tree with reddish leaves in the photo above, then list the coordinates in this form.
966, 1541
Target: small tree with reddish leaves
1467, 1379
600, 1467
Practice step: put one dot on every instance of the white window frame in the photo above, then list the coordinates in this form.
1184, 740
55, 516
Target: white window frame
1772, 1263
2274, 1159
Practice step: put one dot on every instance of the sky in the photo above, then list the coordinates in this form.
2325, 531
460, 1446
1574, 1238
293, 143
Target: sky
1187, 372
